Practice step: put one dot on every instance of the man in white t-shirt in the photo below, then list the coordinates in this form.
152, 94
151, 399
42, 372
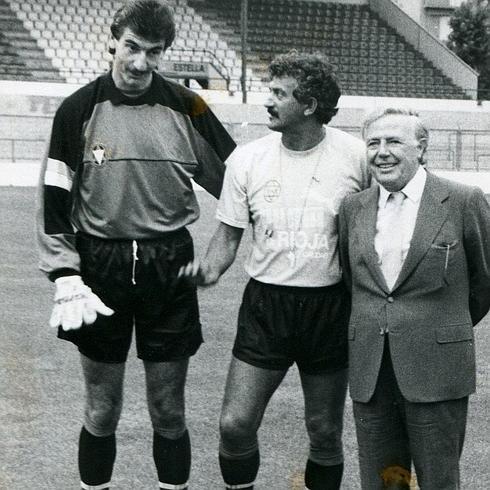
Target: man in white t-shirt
295, 309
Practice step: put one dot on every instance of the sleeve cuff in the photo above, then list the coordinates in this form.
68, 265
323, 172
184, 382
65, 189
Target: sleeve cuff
62, 273
231, 222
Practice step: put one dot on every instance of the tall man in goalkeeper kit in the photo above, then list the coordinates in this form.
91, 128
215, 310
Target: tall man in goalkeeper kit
115, 199
289, 186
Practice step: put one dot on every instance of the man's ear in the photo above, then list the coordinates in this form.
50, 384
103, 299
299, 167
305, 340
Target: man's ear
422, 149
111, 46
311, 107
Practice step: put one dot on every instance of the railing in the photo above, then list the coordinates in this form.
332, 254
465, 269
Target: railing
441, 158
215, 62
16, 149
451, 149
479, 166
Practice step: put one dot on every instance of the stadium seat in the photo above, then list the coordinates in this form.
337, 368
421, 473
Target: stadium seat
79, 30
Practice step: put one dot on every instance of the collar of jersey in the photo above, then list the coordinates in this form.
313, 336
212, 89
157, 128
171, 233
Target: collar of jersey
118, 98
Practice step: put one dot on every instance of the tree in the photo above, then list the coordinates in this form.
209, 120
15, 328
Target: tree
470, 40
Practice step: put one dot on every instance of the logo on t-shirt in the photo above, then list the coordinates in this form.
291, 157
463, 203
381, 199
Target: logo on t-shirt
272, 190
99, 154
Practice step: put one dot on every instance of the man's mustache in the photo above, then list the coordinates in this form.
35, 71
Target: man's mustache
137, 73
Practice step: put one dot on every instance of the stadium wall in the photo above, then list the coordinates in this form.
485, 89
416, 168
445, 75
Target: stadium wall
27, 109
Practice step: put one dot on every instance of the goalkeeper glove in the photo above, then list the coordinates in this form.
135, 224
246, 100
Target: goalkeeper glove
75, 304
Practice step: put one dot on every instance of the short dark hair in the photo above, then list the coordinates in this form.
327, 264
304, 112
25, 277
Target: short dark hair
150, 19
315, 77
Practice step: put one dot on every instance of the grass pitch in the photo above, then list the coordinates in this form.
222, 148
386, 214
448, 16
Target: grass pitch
41, 388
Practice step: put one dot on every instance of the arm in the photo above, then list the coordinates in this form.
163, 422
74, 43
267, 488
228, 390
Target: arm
233, 214
55, 234
477, 249
220, 255
213, 146
75, 303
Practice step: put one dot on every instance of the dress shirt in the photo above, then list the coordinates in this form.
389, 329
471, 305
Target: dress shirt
413, 192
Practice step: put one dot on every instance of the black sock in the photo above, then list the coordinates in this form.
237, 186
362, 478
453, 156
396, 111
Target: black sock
318, 477
172, 458
96, 456
240, 471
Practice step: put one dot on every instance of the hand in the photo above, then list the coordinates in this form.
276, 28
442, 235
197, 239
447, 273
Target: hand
197, 273
75, 304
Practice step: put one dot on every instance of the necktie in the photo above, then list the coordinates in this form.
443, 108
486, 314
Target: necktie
392, 238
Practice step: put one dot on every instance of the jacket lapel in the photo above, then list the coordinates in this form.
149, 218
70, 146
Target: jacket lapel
432, 213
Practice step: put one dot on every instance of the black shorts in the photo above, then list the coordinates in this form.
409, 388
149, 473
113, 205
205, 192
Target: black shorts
144, 293
280, 325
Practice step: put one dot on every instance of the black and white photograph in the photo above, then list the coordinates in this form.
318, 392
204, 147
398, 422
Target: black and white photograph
245, 244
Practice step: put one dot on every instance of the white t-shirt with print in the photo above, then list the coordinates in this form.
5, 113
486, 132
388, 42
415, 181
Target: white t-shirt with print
292, 200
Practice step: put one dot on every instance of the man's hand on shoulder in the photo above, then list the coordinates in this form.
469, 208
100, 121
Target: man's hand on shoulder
75, 304
198, 273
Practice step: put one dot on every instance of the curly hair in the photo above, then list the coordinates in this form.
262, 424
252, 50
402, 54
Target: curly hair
151, 19
315, 77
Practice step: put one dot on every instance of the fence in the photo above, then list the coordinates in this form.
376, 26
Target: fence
17, 150
459, 150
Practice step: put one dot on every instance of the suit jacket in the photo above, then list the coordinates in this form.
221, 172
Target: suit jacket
442, 291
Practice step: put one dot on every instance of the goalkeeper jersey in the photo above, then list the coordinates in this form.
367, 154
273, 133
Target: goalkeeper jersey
121, 168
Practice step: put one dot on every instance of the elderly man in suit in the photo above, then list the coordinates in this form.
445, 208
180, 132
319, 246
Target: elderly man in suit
415, 251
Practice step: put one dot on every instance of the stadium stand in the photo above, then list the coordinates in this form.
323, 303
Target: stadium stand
371, 58
74, 35
20, 56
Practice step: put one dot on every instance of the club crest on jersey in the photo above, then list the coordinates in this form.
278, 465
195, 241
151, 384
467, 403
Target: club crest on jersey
99, 154
272, 190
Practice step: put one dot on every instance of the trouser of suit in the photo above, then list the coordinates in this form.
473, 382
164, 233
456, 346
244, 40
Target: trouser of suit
393, 432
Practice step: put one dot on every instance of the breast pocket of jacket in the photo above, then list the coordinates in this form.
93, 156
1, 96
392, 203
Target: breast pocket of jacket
442, 258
